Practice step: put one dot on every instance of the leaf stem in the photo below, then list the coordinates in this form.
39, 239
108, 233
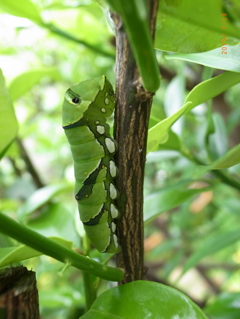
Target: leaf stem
31, 238
71, 37
89, 288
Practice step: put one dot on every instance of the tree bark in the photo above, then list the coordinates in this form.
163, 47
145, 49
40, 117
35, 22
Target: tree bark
18, 294
133, 106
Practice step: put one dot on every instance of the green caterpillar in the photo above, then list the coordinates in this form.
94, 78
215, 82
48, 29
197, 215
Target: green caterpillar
85, 109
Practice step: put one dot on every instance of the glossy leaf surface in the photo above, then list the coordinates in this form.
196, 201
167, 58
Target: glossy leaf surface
141, 300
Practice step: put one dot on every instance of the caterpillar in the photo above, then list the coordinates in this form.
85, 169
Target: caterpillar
86, 108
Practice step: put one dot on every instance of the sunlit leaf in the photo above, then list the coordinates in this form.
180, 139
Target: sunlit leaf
141, 300
40, 197
228, 61
55, 220
179, 30
11, 255
25, 81
23, 9
168, 198
8, 121
229, 159
199, 94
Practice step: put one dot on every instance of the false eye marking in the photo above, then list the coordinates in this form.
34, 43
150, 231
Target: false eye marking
72, 98
114, 211
100, 129
76, 100
106, 101
103, 110
110, 145
112, 169
113, 191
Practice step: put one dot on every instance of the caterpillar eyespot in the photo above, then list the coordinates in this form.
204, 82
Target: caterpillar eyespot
85, 106
76, 100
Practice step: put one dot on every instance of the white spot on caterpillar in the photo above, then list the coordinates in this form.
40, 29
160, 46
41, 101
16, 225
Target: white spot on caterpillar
110, 145
103, 110
112, 169
100, 129
114, 211
106, 101
106, 94
113, 226
113, 191
97, 122
115, 240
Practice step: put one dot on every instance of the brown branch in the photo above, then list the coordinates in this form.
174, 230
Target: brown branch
28, 162
133, 106
17, 171
18, 293
215, 289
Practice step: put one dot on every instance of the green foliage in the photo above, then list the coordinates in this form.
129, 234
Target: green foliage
201, 93
132, 301
203, 27
25, 9
226, 306
192, 181
140, 39
39, 198
12, 255
214, 58
54, 249
8, 122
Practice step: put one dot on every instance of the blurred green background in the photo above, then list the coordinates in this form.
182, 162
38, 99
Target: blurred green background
39, 63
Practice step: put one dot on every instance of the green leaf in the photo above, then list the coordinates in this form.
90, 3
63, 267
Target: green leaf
217, 141
179, 30
25, 81
11, 255
23, 9
173, 142
214, 58
157, 133
8, 121
134, 16
39, 198
56, 220
199, 94
64, 296
225, 306
231, 158
168, 198
211, 246
141, 300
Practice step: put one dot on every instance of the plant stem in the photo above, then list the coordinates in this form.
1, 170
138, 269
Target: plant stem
32, 239
133, 105
89, 288
71, 37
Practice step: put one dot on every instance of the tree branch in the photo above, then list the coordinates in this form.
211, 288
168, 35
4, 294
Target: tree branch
133, 106
30, 167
